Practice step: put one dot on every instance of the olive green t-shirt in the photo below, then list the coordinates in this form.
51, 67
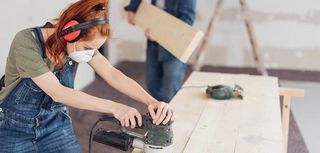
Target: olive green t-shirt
24, 61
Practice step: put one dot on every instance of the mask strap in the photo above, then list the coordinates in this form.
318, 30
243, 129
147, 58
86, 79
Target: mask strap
74, 46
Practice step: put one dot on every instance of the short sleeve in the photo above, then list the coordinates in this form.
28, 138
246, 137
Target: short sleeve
29, 62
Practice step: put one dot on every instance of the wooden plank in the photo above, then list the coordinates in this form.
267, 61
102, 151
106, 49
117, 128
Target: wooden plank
210, 122
260, 126
291, 92
252, 125
187, 113
179, 38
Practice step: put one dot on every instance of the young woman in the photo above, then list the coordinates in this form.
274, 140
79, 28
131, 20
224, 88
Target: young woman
39, 79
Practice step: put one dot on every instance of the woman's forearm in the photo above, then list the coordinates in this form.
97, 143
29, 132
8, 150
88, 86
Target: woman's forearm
130, 87
82, 100
120, 81
158, 110
49, 83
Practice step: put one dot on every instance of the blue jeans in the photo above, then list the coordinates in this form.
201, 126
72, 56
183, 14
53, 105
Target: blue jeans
31, 122
164, 73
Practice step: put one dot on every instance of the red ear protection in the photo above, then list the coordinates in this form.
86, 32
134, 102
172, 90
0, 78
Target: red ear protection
73, 30
73, 36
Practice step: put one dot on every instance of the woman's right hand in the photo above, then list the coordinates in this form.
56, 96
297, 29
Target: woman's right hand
127, 116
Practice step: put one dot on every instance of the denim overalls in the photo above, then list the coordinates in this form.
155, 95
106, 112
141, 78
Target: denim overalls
31, 122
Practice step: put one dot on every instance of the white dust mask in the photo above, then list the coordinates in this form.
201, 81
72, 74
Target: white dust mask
82, 56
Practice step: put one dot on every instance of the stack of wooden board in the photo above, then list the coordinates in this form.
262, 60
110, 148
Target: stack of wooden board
251, 125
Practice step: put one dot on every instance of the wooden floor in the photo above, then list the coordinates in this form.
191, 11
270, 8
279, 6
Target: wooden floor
83, 120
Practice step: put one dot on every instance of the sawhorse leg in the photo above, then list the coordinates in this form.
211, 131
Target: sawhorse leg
287, 93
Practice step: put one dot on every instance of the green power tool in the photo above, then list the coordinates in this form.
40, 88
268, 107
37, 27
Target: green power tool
224, 92
158, 138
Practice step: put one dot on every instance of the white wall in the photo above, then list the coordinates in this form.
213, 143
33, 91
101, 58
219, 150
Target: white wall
286, 28
19, 14
288, 33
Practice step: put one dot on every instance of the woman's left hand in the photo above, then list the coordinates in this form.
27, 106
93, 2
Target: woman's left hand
161, 112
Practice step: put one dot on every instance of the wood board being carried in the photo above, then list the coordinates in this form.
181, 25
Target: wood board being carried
179, 38
251, 125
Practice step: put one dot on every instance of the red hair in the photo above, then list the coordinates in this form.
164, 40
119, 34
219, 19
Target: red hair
84, 9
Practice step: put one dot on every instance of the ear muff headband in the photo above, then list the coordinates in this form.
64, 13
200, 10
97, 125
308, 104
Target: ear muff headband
72, 30
71, 36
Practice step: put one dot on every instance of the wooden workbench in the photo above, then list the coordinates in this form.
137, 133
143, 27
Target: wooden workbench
251, 125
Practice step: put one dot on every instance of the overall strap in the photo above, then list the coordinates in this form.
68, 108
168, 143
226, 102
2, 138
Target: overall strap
2, 82
40, 40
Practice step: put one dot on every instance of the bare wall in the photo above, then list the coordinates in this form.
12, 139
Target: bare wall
288, 34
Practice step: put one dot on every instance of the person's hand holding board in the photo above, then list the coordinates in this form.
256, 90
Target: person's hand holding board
179, 38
